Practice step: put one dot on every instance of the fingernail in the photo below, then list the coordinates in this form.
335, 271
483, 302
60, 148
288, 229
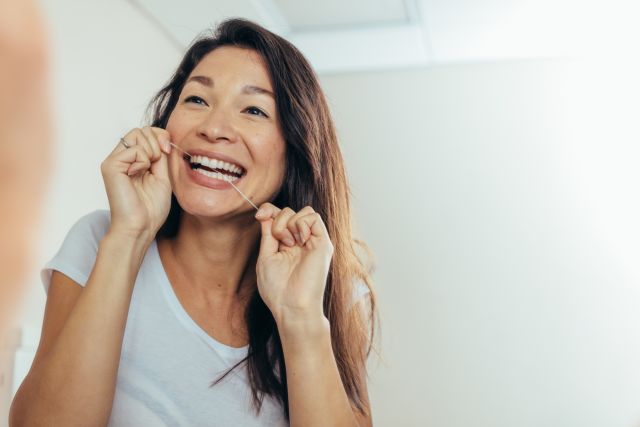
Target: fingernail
167, 147
289, 242
261, 212
297, 236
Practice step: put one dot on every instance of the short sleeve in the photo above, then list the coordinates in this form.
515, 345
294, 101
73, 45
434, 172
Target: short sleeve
360, 289
362, 302
78, 252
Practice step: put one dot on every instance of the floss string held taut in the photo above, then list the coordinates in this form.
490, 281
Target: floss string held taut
237, 189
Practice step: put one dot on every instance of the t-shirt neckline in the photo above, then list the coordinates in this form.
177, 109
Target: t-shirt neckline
232, 354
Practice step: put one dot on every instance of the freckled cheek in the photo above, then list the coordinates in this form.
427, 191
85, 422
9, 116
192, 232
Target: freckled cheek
275, 161
270, 148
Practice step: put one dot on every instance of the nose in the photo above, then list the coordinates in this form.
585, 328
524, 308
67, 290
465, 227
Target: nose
217, 126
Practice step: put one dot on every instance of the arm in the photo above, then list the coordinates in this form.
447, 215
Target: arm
291, 281
73, 376
316, 394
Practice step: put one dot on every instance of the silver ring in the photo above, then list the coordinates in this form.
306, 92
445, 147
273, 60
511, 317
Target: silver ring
123, 142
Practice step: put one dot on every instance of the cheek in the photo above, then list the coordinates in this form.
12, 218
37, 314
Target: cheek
272, 147
176, 126
273, 156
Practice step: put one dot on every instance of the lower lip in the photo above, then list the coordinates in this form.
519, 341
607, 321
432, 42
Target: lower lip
206, 181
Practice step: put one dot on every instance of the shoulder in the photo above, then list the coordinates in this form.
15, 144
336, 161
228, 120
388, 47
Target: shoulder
361, 297
97, 221
77, 254
92, 226
360, 289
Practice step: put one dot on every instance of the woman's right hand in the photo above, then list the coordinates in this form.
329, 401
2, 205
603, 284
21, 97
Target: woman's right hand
137, 183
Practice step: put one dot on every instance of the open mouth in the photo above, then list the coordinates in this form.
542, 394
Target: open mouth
214, 168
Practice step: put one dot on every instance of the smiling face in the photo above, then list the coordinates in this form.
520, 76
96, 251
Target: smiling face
226, 111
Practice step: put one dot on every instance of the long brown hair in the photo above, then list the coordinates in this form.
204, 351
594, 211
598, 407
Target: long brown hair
314, 176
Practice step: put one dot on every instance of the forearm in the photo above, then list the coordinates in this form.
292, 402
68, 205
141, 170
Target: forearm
74, 383
317, 396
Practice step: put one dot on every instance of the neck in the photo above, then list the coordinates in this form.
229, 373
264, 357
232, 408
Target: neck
216, 258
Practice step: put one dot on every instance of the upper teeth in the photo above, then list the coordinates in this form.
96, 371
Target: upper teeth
216, 164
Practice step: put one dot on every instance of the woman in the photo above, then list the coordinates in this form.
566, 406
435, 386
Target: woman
182, 305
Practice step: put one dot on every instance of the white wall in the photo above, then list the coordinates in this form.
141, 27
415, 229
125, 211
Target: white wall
107, 64
502, 202
501, 211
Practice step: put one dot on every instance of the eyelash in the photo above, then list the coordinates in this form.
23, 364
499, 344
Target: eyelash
194, 98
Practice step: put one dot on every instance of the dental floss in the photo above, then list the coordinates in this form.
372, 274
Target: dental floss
174, 145
245, 197
237, 189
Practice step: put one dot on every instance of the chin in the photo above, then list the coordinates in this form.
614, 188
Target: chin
208, 204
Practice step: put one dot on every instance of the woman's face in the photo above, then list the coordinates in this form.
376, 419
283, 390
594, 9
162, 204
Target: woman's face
226, 111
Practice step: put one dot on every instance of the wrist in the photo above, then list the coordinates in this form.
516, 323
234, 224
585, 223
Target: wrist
129, 237
302, 325
128, 245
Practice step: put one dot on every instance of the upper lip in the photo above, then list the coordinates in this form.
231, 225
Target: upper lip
217, 156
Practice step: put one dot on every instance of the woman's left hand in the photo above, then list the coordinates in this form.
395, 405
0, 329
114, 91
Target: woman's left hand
293, 263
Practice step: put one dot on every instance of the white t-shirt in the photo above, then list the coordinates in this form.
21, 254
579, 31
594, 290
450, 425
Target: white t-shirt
168, 362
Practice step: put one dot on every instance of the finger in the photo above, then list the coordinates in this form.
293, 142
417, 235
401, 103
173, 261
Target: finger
294, 225
316, 228
163, 137
280, 230
160, 168
129, 139
267, 210
305, 231
122, 159
153, 143
135, 137
138, 168
141, 161
268, 244
141, 140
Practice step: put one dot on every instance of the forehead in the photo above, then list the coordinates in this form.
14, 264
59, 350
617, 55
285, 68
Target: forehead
231, 62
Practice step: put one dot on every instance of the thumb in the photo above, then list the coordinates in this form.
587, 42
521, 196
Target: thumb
268, 243
160, 168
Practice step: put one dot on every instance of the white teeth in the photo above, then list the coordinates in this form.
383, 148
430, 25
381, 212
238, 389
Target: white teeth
216, 164
217, 175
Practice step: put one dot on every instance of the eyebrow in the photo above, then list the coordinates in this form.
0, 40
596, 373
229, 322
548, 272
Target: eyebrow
248, 89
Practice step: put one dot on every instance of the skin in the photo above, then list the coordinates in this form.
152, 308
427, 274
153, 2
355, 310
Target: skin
207, 263
211, 259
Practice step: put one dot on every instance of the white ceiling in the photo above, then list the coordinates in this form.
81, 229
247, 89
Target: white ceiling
331, 14
342, 36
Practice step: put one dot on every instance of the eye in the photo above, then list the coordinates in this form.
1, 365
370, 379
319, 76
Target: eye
195, 99
256, 111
